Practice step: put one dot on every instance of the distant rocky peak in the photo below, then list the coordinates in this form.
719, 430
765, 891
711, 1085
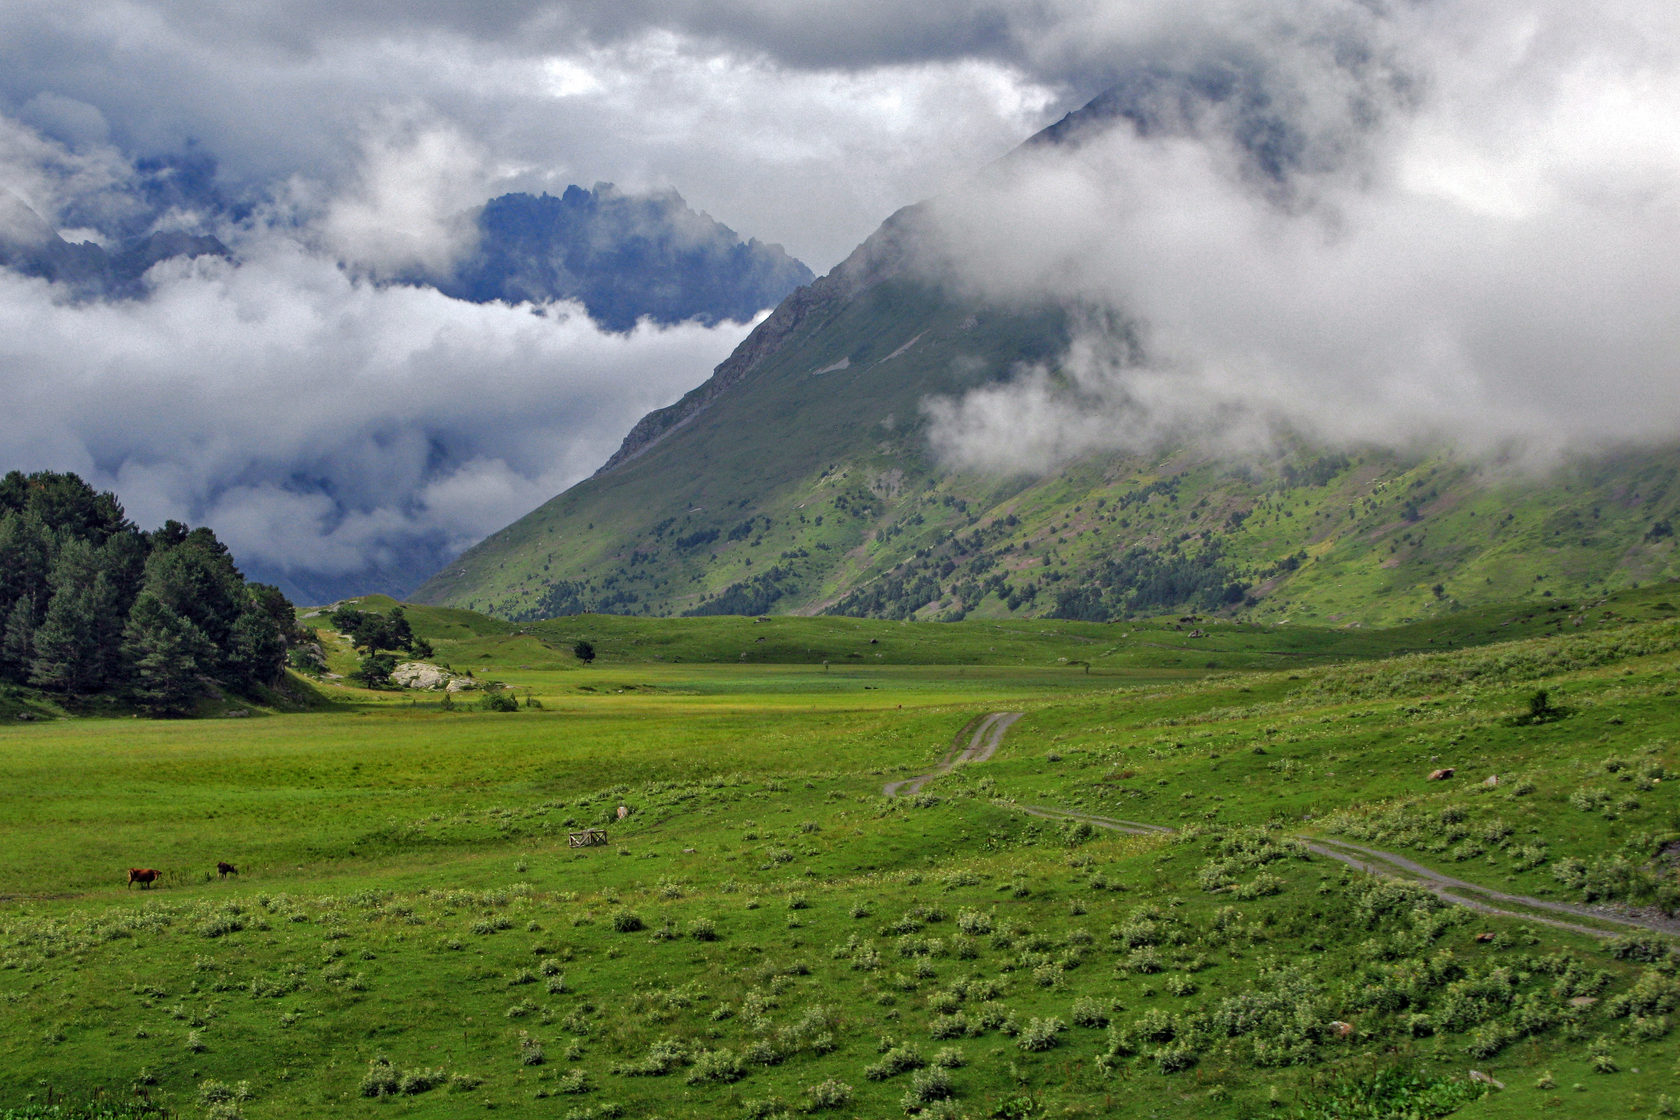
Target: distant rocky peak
624, 256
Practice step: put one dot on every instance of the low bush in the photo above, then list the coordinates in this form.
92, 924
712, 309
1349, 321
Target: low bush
832, 1093
1040, 1034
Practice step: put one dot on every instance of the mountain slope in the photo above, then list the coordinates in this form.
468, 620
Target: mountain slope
799, 479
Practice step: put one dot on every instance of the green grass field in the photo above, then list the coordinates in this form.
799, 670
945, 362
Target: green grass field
411, 932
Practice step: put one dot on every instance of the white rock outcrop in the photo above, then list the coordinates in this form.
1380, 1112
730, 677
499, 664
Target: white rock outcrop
422, 676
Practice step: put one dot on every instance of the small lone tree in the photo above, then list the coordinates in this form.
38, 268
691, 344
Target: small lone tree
1541, 709
583, 651
375, 669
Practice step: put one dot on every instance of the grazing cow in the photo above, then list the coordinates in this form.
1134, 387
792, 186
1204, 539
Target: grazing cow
623, 811
1442, 774
225, 869
145, 876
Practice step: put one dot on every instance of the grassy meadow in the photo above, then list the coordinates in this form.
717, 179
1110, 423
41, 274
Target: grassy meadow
411, 932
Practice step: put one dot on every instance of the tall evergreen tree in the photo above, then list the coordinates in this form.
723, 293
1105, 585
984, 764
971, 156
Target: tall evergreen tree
17, 641
256, 652
166, 654
27, 548
76, 646
195, 576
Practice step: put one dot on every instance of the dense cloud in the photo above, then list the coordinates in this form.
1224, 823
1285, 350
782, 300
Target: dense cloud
798, 127
326, 421
1432, 223
321, 423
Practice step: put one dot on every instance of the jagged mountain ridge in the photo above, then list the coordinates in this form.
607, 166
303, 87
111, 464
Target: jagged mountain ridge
623, 256
798, 479
29, 245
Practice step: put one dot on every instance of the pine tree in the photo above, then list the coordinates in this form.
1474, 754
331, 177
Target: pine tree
73, 652
195, 577
257, 649
73, 571
17, 641
27, 546
166, 654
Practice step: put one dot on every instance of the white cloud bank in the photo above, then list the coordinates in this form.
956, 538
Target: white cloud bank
322, 423
1478, 242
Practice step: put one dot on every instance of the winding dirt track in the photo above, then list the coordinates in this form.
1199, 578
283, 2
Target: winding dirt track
985, 734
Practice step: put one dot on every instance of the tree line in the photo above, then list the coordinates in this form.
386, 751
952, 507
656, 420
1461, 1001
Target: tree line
91, 605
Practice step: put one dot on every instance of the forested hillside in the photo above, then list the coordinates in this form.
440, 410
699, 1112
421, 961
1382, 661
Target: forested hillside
93, 606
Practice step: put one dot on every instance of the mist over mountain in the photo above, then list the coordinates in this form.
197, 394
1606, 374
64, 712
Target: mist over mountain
162, 208
30, 247
624, 257
1351, 312
265, 360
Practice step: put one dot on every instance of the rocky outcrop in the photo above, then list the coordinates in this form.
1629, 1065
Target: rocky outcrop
425, 677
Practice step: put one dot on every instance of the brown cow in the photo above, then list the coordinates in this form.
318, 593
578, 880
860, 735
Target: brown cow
225, 869
145, 876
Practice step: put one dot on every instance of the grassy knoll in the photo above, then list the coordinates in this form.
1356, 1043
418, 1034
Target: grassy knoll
412, 934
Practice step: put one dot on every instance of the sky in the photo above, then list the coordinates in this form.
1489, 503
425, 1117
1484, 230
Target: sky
1415, 220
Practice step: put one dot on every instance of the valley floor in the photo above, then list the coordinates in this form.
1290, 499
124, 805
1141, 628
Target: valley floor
867, 891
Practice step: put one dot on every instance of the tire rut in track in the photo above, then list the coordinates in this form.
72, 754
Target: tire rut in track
985, 734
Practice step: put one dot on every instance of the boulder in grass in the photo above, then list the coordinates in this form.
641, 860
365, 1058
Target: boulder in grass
421, 676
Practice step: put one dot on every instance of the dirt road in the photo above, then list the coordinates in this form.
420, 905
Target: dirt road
985, 734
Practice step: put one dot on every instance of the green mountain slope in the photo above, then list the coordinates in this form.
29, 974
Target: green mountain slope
799, 479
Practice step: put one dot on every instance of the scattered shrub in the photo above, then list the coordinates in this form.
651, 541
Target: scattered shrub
662, 1057
715, 1066
832, 1093
416, 1081
382, 1078
928, 1086
572, 1082
1175, 1057
950, 1057
954, 1025
896, 1060
1040, 1034
1089, 1012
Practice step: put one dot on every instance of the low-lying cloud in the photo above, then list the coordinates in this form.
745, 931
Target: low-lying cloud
405, 212
1475, 240
323, 423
